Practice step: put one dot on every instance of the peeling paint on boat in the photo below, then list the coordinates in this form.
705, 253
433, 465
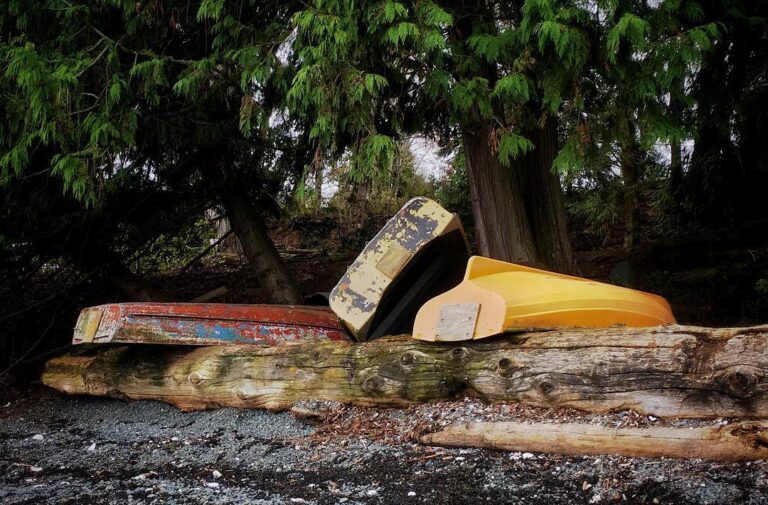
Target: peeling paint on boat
359, 293
206, 324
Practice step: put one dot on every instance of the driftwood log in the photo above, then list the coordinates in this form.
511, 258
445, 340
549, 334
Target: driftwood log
673, 371
731, 442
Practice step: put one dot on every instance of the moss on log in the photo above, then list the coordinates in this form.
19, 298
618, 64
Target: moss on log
733, 442
666, 371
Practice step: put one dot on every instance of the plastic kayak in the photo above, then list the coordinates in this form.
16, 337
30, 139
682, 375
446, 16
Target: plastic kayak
497, 297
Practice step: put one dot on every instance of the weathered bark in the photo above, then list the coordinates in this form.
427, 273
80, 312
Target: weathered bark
732, 442
258, 248
543, 198
501, 222
667, 371
631, 173
518, 210
249, 227
318, 188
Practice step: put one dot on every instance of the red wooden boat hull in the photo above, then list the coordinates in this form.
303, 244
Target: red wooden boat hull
206, 324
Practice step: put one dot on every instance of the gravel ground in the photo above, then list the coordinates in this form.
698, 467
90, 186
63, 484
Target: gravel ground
56, 449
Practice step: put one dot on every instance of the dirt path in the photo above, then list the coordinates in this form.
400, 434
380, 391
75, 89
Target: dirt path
55, 449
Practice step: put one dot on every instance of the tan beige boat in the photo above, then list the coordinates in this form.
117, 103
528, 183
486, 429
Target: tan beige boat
497, 297
421, 252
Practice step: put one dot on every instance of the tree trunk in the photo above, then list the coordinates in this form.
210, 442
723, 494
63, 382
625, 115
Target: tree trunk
673, 371
631, 169
318, 188
675, 166
518, 210
544, 199
711, 183
629, 173
676, 153
358, 201
251, 232
501, 222
258, 248
229, 242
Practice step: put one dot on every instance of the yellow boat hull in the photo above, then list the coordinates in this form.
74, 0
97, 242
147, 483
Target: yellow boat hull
497, 297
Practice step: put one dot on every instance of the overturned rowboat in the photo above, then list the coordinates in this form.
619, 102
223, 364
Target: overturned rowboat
420, 252
497, 297
206, 324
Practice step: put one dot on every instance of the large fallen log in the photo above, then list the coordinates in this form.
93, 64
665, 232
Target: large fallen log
732, 442
666, 371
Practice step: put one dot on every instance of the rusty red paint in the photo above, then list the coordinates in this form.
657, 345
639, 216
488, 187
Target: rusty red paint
206, 324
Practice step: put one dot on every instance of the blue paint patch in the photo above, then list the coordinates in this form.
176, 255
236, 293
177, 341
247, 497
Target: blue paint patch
218, 333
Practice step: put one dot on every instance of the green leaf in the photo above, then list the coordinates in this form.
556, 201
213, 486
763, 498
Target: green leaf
322, 128
433, 41
210, 9
116, 90
438, 84
250, 110
511, 146
567, 159
631, 28
376, 151
470, 92
393, 10
374, 83
700, 38
17, 158
514, 87
73, 171
151, 71
489, 47
401, 32
433, 15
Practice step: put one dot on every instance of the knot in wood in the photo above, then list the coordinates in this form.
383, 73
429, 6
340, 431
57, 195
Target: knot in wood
506, 367
741, 383
407, 359
317, 356
546, 388
195, 379
373, 384
459, 353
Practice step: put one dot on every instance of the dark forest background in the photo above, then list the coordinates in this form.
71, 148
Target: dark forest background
244, 151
